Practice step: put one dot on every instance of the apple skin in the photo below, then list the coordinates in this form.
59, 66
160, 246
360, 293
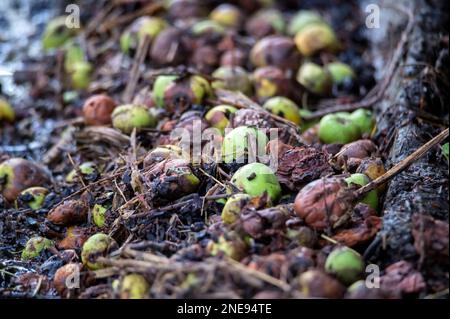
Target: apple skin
346, 264
371, 198
340, 71
338, 128
364, 120
314, 78
236, 143
255, 179
283, 107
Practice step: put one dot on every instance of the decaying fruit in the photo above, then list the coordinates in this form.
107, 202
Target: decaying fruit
97, 110
316, 37
354, 152
74, 238
227, 15
57, 33
99, 215
255, 179
185, 9
317, 284
265, 22
346, 264
338, 128
371, 167
86, 169
234, 57
98, 245
173, 179
314, 78
18, 174
283, 107
130, 116
176, 94
65, 276
6, 111
277, 51
144, 26
68, 213
232, 78
270, 81
132, 286
243, 143
323, 202
35, 246
33, 197
301, 19
234, 248
219, 115
233, 207
161, 153
168, 47
370, 198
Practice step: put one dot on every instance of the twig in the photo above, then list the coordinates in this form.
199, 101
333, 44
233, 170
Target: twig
399, 167
149, 9
134, 73
258, 274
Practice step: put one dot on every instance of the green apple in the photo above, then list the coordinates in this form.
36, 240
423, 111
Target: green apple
226, 15
255, 179
284, 107
364, 120
338, 128
233, 207
56, 33
371, 198
6, 111
219, 115
346, 264
236, 145
314, 78
340, 71
98, 245
160, 86
132, 286
129, 116
316, 37
35, 246
301, 19
34, 197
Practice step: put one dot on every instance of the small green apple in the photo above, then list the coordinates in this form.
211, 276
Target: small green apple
35, 246
364, 120
346, 264
314, 78
338, 128
219, 115
239, 142
284, 107
255, 179
129, 116
371, 198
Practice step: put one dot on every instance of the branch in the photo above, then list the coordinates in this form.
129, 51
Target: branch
403, 164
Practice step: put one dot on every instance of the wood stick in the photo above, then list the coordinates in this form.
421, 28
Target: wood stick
403, 164
135, 74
